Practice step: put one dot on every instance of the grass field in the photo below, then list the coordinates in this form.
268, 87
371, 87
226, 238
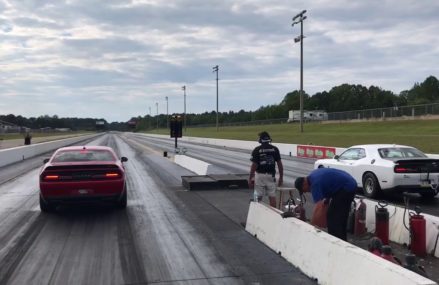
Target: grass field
423, 134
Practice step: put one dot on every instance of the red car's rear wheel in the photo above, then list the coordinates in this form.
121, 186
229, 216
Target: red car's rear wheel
45, 206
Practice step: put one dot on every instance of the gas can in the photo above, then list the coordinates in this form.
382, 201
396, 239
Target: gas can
360, 219
382, 223
418, 237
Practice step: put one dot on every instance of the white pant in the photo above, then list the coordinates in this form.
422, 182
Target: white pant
265, 184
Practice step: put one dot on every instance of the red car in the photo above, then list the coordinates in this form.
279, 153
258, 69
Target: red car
82, 174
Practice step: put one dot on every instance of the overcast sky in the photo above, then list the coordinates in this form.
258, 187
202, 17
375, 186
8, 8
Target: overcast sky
115, 59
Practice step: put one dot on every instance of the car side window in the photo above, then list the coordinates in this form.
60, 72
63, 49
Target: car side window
413, 152
353, 154
400, 153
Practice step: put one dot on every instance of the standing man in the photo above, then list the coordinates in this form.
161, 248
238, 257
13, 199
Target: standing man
335, 185
263, 169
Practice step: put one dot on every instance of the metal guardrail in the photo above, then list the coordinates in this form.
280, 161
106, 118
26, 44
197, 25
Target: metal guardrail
247, 123
382, 113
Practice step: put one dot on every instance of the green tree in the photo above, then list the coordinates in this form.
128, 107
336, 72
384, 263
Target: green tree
425, 92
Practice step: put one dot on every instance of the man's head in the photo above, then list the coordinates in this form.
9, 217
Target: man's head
301, 184
264, 137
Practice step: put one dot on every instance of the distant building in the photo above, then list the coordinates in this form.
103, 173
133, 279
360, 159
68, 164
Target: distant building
6, 127
100, 125
132, 124
62, 129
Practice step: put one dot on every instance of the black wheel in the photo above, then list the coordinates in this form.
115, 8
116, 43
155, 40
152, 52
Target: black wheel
428, 195
122, 203
371, 187
46, 207
320, 166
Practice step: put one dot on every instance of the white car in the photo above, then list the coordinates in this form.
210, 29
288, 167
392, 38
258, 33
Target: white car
388, 167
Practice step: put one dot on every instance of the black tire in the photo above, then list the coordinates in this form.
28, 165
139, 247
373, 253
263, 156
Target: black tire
428, 196
320, 166
371, 186
123, 201
46, 207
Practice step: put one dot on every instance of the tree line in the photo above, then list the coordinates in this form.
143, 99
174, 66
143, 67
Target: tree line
345, 97
54, 122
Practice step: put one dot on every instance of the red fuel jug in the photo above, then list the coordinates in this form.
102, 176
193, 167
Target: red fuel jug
418, 236
382, 222
360, 219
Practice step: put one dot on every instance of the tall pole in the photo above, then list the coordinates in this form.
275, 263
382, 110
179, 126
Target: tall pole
301, 76
184, 116
216, 69
157, 105
296, 20
167, 113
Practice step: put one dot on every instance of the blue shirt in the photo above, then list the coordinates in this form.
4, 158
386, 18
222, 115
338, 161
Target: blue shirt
325, 182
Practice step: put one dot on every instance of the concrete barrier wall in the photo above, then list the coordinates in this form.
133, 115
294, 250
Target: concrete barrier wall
12, 155
321, 256
285, 149
198, 166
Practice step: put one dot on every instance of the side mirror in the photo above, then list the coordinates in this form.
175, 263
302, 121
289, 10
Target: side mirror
336, 157
46, 160
123, 159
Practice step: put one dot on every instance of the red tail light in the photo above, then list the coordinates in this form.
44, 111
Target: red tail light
402, 169
112, 175
51, 177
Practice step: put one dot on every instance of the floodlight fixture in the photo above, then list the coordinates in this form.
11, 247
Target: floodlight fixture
216, 69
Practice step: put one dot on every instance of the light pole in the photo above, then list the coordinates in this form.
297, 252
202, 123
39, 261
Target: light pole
184, 116
167, 113
296, 20
157, 105
216, 69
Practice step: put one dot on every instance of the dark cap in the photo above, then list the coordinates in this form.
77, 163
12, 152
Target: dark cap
299, 184
264, 137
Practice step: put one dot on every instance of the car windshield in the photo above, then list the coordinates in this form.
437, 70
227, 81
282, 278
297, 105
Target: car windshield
83, 155
400, 152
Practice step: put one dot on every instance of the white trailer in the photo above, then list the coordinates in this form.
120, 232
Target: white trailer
317, 115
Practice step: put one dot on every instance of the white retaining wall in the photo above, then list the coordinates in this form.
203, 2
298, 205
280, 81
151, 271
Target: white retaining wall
321, 256
284, 148
198, 166
12, 155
